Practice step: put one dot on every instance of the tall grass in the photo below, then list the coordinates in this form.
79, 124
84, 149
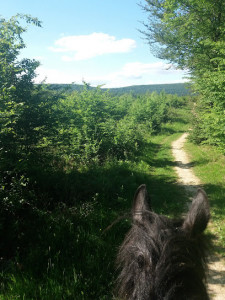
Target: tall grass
67, 248
209, 166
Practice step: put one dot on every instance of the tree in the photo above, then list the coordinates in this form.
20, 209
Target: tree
191, 35
188, 33
16, 85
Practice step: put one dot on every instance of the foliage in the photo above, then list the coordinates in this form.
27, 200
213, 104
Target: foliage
209, 111
95, 125
69, 162
16, 87
191, 35
63, 253
189, 31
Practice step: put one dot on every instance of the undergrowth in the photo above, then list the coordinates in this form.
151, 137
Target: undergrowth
70, 249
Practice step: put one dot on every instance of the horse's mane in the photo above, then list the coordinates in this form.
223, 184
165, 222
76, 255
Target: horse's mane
160, 259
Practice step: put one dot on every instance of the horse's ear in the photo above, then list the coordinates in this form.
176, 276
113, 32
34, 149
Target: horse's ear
141, 203
199, 214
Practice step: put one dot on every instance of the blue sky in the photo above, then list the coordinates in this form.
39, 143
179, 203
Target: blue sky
97, 41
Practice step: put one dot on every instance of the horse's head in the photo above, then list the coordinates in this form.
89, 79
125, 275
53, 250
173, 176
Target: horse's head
163, 258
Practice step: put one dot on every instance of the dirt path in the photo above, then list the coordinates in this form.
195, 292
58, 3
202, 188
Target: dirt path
187, 178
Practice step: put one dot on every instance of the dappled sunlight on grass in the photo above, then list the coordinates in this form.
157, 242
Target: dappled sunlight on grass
209, 166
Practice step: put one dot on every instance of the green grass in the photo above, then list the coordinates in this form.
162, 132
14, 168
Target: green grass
209, 166
167, 196
71, 256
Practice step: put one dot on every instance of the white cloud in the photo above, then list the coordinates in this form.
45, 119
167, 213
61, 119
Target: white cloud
55, 76
82, 47
138, 69
135, 73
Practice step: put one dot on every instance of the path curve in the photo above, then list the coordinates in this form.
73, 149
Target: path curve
187, 178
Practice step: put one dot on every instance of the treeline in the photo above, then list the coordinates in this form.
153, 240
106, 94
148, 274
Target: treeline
179, 89
66, 159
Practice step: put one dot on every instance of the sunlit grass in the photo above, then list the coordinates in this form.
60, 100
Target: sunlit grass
209, 166
75, 256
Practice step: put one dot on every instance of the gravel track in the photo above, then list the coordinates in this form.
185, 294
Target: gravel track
187, 178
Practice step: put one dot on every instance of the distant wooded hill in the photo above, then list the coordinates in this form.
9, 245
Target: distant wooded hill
175, 88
